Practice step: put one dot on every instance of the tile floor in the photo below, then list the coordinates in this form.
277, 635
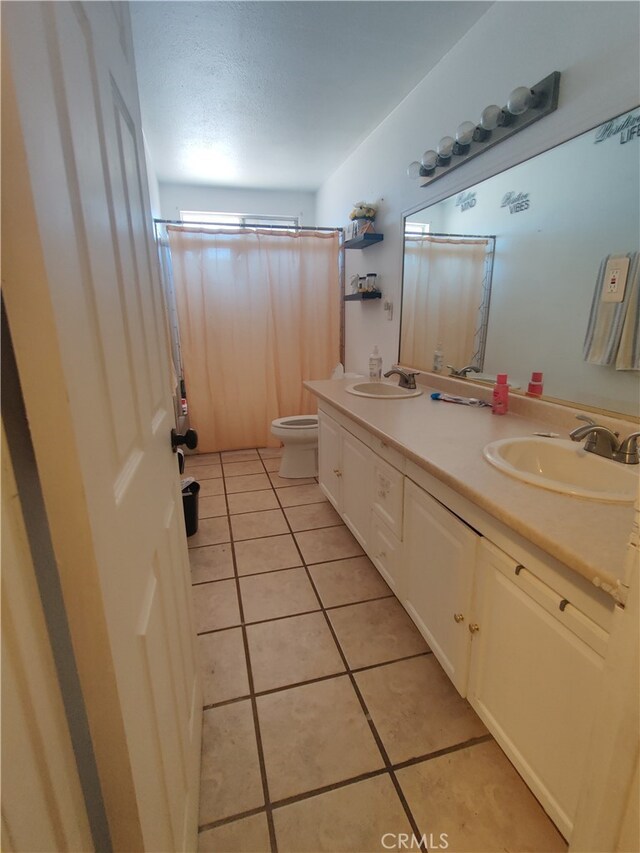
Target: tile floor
328, 723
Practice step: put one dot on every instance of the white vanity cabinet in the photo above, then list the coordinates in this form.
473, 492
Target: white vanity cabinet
345, 471
535, 672
438, 572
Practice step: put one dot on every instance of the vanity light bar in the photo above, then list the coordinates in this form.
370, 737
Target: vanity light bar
524, 106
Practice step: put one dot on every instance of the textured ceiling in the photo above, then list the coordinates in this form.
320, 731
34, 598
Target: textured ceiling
277, 94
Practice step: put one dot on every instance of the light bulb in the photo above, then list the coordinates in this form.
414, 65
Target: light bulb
414, 169
445, 147
490, 117
464, 133
520, 100
429, 160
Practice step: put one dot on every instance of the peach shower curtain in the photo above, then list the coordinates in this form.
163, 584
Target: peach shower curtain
258, 313
441, 298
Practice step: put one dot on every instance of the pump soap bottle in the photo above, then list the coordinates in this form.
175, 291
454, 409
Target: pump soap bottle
375, 366
500, 395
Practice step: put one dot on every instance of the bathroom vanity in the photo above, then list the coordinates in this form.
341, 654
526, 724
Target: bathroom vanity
513, 587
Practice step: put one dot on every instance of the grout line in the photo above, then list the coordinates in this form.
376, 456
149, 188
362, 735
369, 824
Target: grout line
428, 756
325, 789
254, 704
223, 821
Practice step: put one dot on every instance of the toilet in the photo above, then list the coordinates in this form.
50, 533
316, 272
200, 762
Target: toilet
299, 434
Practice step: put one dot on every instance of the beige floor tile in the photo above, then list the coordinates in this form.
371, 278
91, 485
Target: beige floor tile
252, 501
247, 483
273, 464
223, 666
292, 650
249, 835
478, 799
313, 736
193, 460
348, 581
211, 531
254, 525
235, 469
353, 818
416, 709
230, 781
215, 605
274, 594
312, 516
206, 472
298, 495
331, 543
239, 455
376, 631
279, 482
211, 506
211, 563
266, 555
210, 487
270, 452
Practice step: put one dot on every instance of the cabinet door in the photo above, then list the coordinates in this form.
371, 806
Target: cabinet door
329, 465
534, 680
357, 477
388, 494
439, 565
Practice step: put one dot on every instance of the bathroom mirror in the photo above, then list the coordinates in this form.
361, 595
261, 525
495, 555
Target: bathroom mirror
528, 304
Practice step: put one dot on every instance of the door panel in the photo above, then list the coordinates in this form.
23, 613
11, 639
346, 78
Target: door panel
329, 461
101, 343
357, 482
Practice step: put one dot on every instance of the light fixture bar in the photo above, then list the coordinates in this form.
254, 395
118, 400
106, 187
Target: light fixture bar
523, 108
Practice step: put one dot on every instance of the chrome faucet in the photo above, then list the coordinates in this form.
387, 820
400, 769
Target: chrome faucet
462, 373
407, 380
604, 442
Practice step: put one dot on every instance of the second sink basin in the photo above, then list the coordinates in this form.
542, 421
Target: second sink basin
386, 390
564, 466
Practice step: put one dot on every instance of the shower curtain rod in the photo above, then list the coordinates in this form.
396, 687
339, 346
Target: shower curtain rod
446, 234
246, 225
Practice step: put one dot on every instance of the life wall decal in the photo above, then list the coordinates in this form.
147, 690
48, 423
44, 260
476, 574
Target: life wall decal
627, 129
516, 201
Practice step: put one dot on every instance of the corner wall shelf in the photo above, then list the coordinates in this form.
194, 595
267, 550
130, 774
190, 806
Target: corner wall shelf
356, 297
363, 241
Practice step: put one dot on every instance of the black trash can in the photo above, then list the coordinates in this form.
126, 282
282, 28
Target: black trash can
190, 507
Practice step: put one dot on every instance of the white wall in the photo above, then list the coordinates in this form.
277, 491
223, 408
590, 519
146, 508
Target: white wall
177, 197
594, 45
152, 180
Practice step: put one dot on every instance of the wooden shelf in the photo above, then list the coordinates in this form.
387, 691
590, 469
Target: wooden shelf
353, 297
363, 241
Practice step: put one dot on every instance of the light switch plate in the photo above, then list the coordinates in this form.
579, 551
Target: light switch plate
615, 279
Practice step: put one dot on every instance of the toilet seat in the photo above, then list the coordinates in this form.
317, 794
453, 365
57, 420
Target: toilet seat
297, 422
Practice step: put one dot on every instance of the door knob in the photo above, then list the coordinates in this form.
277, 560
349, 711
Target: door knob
190, 438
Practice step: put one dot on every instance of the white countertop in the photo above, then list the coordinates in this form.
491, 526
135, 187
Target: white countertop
446, 440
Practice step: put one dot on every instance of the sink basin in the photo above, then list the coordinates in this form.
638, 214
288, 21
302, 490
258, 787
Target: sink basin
564, 466
383, 390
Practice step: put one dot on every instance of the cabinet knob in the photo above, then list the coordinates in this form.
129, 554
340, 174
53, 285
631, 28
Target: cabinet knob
382, 493
459, 617
474, 628
382, 555
337, 472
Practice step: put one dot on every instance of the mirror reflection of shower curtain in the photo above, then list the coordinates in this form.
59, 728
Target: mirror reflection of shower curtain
259, 312
441, 299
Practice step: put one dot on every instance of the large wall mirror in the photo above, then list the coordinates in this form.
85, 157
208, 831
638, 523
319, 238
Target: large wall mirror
510, 274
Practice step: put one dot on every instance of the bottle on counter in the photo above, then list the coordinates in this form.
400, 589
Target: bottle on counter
500, 395
535, 385
375, 366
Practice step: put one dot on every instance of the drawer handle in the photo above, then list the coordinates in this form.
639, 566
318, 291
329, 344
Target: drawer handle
382, 555
459, 617
519, 568
337, 472
474, 628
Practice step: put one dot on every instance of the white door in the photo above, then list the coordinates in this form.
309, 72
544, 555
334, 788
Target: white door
357, 484
440, 556
329, 462
86, 315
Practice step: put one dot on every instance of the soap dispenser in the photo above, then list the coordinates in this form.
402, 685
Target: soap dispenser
500, 395
375, 365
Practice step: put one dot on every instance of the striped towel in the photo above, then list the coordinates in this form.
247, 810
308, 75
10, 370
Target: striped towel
613, 331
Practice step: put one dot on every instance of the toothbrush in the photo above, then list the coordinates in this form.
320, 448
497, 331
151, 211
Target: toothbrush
464, 401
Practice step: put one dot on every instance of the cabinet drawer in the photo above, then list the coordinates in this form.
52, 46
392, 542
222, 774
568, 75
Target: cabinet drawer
388, 495
385, 551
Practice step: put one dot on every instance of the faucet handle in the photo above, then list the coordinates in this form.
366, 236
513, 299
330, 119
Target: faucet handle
628, 451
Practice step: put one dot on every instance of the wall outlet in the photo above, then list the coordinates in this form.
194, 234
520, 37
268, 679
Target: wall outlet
615, 279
